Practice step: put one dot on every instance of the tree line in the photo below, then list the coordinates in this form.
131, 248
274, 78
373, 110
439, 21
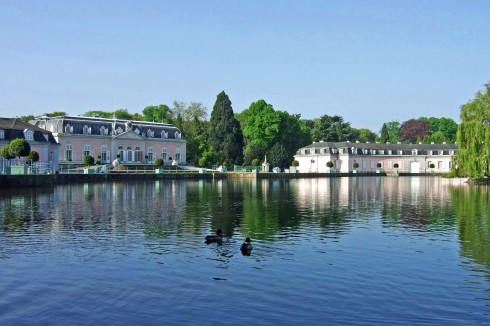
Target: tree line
261, 132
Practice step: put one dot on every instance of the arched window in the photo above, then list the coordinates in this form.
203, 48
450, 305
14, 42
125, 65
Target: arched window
120, 152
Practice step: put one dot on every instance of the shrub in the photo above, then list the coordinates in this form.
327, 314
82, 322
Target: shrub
432, 165
158, 161
329, 164
4, 152
355, 165
379, 165
88, 160
255, 162
295, 163
19, 147
396, 165
33, 156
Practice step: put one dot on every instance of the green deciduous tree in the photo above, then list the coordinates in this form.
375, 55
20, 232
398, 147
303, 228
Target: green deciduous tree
365, 135
98, 113
390, 132
331, 128
473, 137
441, 126
225, 135
263, 128
157, 113
26, 118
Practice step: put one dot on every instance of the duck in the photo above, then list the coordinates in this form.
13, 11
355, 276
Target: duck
246, 247
216, 238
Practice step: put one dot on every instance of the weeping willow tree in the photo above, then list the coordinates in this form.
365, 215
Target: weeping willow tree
473, 137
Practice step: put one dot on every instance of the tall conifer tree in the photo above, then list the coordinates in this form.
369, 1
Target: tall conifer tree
225, 135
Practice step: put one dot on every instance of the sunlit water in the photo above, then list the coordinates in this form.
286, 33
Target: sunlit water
341, 251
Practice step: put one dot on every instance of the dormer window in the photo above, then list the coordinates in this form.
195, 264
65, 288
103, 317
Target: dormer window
451, 152
68, 129
390, 152
441, 152
150, 133
414, 152
28, 134
177, 135
400, 152
429, 152
104, 131
164, 134
382, 151
87, 130
373, 151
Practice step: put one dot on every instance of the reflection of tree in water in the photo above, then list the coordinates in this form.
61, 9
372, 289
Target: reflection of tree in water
23, 208
472, 208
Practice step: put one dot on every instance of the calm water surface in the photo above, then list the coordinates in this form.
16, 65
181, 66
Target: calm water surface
343, 251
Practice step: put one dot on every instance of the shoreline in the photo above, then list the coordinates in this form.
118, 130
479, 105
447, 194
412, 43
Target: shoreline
46, 180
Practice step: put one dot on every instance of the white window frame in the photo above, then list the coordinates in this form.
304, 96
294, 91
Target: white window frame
28, 134
69, 152
86, 150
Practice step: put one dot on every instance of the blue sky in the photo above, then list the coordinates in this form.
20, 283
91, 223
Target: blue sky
367, 61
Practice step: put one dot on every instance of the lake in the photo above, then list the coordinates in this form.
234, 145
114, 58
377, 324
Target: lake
336, 251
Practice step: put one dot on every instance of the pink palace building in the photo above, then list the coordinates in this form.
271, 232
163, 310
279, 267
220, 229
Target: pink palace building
110, 139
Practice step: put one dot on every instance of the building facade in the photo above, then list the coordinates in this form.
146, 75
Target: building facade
110, 139
40, 140
370, 157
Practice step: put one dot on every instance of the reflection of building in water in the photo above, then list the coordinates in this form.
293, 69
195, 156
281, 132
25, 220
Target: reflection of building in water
405, 200
118, 205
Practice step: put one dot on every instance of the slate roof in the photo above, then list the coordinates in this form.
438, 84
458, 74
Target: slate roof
14, 128
405, 148
144, 128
